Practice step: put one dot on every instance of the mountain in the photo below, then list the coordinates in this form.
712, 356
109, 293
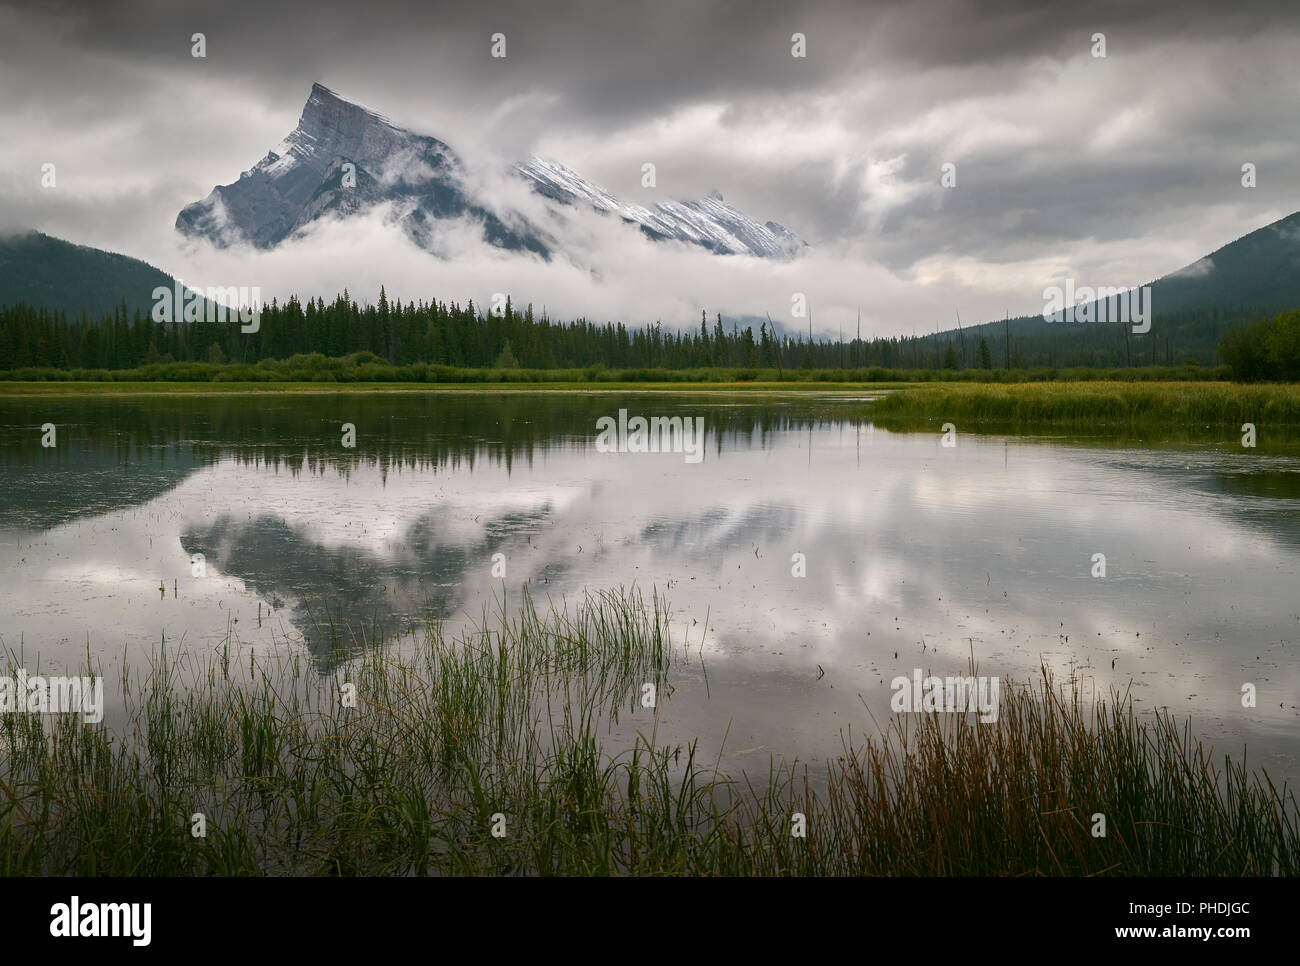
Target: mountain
54, 274
709, 222
304, 178
1260, 271
1255, 276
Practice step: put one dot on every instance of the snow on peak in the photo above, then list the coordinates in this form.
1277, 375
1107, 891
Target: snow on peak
296, 182
709, 222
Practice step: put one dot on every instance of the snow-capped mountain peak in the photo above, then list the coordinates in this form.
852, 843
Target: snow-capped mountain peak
709, 222
301, 180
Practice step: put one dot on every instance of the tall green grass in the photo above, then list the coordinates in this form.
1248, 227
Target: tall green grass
1092, 404
513, 717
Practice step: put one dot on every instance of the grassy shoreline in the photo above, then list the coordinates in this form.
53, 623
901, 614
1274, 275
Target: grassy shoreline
316, 388
1023, 406
368, 369
1097, 405
505, 728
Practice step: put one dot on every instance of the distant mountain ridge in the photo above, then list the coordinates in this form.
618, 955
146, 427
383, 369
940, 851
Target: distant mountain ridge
709, 222
1260, 269
50, 273
1256, 275
303, 179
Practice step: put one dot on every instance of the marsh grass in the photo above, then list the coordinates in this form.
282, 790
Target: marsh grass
1217, 406
514, 716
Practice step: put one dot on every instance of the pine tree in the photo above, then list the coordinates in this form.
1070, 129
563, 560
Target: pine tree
506, 360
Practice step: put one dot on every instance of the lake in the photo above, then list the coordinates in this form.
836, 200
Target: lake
809, 556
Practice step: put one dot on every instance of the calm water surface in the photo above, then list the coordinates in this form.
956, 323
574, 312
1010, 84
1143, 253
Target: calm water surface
916, 555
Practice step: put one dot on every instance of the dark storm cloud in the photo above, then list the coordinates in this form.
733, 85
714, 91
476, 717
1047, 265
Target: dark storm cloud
608, 61
625, 60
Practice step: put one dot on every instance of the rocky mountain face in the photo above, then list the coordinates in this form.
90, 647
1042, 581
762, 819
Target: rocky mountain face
305, 177
709, 222
342, 159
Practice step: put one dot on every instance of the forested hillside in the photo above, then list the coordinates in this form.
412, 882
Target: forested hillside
62, 277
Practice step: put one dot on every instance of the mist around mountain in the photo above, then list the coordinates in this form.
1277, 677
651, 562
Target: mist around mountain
709, 222
343, 159
1192, 309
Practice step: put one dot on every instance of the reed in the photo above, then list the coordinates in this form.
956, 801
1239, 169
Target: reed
1091, 405
513, 717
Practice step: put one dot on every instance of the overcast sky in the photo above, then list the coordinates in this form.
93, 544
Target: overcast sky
1111, 171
